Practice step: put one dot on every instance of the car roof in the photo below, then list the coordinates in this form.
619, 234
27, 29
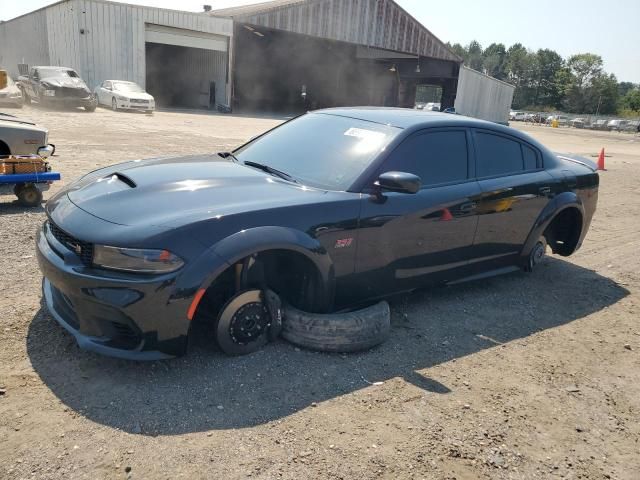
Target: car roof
405, 117
411, 119
53, 67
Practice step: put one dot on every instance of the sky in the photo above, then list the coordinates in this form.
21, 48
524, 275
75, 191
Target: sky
610, 29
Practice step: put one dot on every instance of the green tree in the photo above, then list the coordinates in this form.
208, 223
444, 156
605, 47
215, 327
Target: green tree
548, 64
631, 100
521, 68
474, 56
493, 60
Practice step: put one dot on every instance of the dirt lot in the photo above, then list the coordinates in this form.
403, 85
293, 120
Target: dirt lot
522, 376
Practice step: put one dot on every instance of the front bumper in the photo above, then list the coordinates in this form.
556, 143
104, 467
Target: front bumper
12, 101
144, 107
113, 314
69, 101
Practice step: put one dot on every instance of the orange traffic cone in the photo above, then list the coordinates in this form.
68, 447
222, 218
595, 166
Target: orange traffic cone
601, 160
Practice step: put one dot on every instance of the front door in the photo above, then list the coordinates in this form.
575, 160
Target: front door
410, 240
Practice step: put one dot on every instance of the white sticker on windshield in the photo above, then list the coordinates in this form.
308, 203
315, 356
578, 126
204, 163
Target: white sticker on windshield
363, 134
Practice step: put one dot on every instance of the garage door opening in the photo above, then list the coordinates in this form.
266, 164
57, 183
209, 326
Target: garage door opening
185, 68
282, 71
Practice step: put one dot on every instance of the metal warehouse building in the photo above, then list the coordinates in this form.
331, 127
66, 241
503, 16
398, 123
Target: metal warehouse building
280, 55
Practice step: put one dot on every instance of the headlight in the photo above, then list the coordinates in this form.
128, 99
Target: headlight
136, 260
122, 99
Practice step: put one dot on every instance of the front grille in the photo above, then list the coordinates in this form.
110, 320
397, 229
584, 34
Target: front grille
83, 249
71, 92
124, 336
135, 100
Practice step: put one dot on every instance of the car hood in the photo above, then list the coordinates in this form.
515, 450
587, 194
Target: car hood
170, 192
135, 95
10, 89
4, 117
68, 82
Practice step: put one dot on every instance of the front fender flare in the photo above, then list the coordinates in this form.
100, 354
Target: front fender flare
552, 209
203, 271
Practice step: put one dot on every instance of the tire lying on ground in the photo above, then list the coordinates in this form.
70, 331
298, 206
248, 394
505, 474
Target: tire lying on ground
337, 332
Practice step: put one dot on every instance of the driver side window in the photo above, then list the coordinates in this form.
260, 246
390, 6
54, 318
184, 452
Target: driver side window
436, 157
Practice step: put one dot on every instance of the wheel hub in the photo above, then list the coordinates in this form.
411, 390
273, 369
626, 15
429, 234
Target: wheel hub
248, 323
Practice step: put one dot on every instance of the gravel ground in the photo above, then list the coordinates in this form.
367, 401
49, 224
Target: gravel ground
517, 377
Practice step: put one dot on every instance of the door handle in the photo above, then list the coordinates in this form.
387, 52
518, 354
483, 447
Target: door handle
545, 191
467, 207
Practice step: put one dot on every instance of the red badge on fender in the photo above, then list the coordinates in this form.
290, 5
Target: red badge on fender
343, 242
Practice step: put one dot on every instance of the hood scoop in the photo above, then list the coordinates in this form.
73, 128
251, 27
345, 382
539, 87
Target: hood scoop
122, 177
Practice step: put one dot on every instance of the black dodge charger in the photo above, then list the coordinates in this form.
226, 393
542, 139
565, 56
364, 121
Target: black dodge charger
330, 210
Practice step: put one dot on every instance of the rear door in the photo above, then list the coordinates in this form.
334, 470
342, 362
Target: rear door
408, 240
515, 188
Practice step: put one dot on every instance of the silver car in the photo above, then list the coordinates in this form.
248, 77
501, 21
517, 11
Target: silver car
11, 95
21, 137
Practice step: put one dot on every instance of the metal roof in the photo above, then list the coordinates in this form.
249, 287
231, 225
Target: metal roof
374, 23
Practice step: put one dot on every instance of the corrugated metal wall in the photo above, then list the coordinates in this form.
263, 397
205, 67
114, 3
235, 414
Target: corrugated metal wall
14, 49
101, 40
113, 43
375, 23
484, 97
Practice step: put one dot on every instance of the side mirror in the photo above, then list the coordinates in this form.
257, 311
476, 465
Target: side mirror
401, 182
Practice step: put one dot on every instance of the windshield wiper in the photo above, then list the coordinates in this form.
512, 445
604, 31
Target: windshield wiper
271, 170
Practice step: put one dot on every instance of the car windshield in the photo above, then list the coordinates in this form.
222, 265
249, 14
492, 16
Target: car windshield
57, 73
127, 87
320, 150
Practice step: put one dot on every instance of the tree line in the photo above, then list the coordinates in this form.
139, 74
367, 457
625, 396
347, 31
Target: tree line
546, 81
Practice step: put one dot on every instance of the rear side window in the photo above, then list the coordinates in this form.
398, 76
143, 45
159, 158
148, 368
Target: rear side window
436, 157
530, 158
498, 155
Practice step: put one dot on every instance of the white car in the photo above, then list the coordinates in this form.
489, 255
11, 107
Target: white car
11, 94
119, 94
517, 116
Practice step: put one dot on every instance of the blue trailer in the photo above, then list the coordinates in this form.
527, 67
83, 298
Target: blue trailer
28, 187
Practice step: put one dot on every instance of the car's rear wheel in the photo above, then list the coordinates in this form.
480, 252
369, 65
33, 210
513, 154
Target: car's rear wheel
30, 196
114, 104
243, 324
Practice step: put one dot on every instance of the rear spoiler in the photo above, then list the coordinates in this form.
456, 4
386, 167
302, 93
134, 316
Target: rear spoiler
569, 157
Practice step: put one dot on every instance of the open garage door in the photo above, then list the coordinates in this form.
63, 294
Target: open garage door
282, 71
185, 68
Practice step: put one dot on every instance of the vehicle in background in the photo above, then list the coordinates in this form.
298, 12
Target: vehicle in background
420, 105
616, 125
632, 126
562, 120
56, 86
20, 137
600, 124
450, 110
432, 107
579, 123
10, 95
123, 95
517, 116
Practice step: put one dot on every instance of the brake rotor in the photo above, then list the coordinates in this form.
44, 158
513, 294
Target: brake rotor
243, 323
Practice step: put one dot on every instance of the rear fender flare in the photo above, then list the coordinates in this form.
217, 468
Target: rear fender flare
558, 204
203, 271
